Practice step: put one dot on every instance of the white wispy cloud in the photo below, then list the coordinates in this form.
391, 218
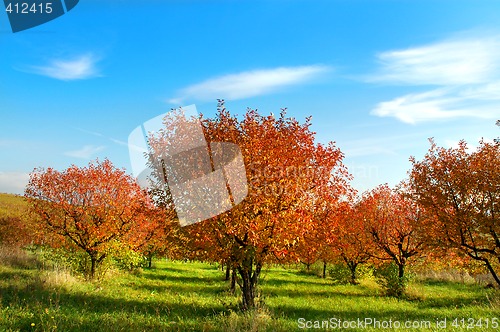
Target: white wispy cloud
13, 182
466, 72
249, 83
77, 68
85, 152
471, 60
442, 104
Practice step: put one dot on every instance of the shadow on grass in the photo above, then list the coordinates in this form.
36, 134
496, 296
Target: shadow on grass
326, 293
190, 279
17, 275
92, 312
84, 304
452, 302
380, 314
182, 266
205, 289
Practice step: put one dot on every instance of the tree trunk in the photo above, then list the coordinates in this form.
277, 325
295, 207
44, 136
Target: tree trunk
150, 261
93, 266
402, 282
307, 264
324, 269
249, 283
247, 289
95, 260
232, 288
228, 272
352, 267
492, 271
401, 272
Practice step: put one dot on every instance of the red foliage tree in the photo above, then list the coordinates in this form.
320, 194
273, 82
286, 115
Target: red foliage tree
91, 208
397, 226
284, 167
159, 234
462, 190
352, 243
321, 239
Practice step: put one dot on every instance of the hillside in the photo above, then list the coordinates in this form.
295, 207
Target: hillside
13, 230
12, 205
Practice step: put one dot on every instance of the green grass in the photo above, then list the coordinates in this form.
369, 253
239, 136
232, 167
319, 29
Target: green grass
177, 296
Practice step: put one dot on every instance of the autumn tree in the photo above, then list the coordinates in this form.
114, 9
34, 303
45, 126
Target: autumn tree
352, 243
308, 249
313, 245
284, 166
14, 231
91, 208
159, 234
397, 226
462, 189
210, 241
321, 238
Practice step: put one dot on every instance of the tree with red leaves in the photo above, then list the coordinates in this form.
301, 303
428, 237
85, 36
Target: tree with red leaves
462, 189
398, 227
284, 168
93, 208
352, 243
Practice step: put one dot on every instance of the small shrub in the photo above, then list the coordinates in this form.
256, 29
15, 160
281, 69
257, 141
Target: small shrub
78, 262
128, 260
365, 271
340, 274
387, 276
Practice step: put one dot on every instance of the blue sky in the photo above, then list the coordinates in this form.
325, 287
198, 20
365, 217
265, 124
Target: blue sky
378, 77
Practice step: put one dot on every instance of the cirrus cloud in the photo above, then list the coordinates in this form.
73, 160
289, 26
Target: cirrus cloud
466, 72
249, 83
77, 68
442, 104
450, 62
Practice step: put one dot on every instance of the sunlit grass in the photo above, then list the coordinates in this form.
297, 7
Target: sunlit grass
12, 205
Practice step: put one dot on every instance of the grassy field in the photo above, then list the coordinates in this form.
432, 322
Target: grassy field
178, 296
12, 205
